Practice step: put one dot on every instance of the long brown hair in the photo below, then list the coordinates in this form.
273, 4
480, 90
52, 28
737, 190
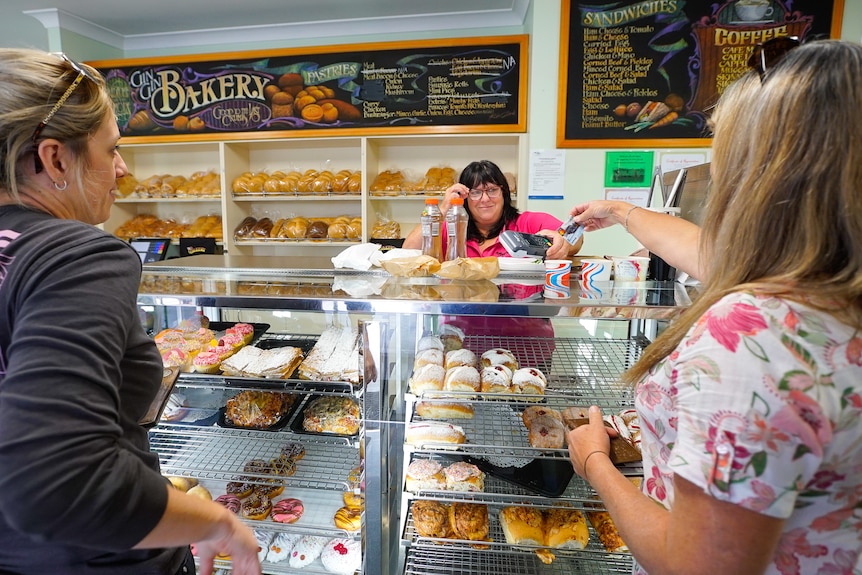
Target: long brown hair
784, 215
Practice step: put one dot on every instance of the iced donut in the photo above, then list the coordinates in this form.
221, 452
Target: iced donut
264, 538
287, 510
283, 466
281, 546
256, 506
306, 550
230, 501
343, 556
348, 518
293, 450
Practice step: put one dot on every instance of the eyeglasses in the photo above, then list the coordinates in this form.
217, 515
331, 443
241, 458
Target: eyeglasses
82, 73
766, 55
492, 191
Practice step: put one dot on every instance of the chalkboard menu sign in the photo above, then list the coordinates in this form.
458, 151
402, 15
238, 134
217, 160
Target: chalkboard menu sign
645, 74
476, 84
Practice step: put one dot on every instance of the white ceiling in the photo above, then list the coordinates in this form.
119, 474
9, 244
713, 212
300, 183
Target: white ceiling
151, 24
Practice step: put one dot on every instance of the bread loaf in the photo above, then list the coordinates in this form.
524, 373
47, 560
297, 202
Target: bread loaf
444, 410
522, 525
442, 435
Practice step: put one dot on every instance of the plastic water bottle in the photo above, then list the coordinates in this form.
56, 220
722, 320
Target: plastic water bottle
456, 230
430, 221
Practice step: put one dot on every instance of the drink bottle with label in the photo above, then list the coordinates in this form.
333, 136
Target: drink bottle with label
430, 221
456, 230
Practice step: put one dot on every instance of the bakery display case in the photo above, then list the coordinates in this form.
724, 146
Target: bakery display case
454, 452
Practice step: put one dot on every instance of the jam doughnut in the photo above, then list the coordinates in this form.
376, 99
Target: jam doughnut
287, 510
230, 501
342, 556
256, 506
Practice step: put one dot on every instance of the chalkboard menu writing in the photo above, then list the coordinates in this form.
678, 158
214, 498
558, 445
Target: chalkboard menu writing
645, 74
447, 85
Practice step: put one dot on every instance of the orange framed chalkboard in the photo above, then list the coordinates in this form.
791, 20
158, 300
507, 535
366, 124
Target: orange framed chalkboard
440, 86
644, 74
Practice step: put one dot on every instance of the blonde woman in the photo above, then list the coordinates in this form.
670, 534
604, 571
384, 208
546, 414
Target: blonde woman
751, 403
80, 491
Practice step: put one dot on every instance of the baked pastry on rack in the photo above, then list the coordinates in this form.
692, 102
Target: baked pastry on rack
257, 409
431, 519
332, 414
469, 521
424, 474
496, 379
499, 356
444, 410
462, 378
428, 377
463, 476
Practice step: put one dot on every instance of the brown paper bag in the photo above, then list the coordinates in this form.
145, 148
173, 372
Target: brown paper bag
470, 269
418, 266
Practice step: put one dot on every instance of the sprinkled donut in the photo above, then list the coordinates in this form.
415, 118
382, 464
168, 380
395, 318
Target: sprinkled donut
293, 450
256, 506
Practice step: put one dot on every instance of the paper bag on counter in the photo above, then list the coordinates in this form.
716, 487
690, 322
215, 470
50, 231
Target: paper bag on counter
415, 267
469, 291
470, 269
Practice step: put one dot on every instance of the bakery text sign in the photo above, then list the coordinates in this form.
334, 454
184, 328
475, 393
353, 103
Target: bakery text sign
646, 73
472, 84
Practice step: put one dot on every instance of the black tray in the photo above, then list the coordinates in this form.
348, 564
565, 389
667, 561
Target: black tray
278, 425
296, 424
548, 477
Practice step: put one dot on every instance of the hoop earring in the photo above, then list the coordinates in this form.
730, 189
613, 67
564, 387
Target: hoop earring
60, 188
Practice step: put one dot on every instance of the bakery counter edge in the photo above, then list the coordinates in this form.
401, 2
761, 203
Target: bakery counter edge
304, 282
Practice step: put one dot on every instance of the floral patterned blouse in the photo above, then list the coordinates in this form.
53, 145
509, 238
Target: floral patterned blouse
761, 406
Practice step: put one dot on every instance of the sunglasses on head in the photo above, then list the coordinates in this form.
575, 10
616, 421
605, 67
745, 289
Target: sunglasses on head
82, 73
766, 55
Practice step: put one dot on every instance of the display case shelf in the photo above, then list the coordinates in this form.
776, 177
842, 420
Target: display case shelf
445, 560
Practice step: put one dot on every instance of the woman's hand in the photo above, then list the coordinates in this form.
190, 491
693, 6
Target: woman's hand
454, 191
239, 543
559, 249
589, 439
600, 214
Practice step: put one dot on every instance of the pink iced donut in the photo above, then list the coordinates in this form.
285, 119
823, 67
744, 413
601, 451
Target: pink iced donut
287, 510
230, 501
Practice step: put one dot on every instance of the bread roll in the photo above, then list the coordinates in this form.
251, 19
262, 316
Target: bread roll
296, 228
200, 491
428, 356
444, 410
317, 229
429, 342
499, 356
423, 474
337, 231
443, 435
522, 525
463, 476
182, 483
529, 380
565, 528
452, 337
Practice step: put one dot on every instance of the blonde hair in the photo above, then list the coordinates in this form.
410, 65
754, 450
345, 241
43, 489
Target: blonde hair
784, 215
31, 83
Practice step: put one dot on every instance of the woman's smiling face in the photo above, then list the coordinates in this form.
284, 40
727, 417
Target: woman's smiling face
486, 204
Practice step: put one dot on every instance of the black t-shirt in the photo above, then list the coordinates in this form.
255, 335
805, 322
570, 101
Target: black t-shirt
78, 484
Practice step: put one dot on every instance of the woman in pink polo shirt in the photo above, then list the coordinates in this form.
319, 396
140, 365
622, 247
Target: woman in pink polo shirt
488, 201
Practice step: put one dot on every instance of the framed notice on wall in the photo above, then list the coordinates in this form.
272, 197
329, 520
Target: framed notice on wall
645, 74
453, 85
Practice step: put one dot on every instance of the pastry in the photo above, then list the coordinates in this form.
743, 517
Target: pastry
306, 550
427, 378
270, 487
444, 410
469, 521
443, 435
182, 483
256, 506
342, 556
424, 474
547, 432
207, 362
499, 356
529, 380
257, 409
431, 519
565, 528
332, 414
459, 357
462, 476
575, 416
293, 450
200, 491
429, 342
353, 500
522, 525
348, 518
452, 337
264, 538
287, 510
281, 546
246, 330
462, 378
428, 357
534, 411
496, 379
230, 501
240, 489
317, 230
283, 466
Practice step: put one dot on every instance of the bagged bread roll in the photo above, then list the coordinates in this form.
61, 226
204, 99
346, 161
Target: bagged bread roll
470, 269
419, 266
